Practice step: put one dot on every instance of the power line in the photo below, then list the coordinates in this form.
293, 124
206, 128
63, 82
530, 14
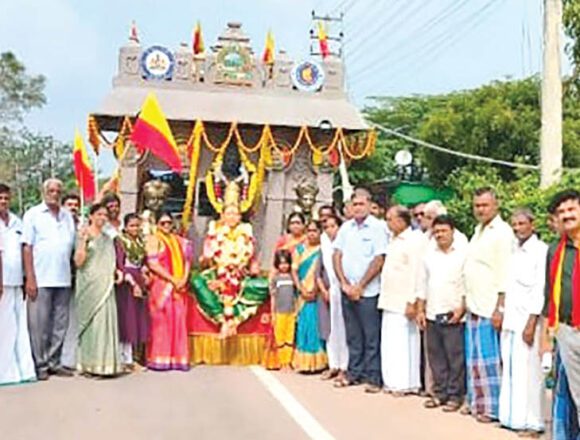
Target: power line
440, 149
398, 8
439, 49
422, 31
435, 46
432, 44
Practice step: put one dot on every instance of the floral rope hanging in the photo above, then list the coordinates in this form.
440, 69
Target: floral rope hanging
351, 146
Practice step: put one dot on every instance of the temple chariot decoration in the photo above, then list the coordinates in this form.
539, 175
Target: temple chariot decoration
270, 135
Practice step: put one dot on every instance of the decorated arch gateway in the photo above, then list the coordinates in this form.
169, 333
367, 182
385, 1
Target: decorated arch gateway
274, 126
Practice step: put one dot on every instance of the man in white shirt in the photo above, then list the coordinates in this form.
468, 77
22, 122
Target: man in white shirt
16, 363
486, 270
400, 340
48, 237
431, 211
440, 309
520, 404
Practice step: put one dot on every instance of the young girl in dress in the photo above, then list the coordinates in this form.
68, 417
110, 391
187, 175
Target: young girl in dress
283, 307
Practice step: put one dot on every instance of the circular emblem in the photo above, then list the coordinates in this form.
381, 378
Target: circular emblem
157, 62
308, 76
234, 65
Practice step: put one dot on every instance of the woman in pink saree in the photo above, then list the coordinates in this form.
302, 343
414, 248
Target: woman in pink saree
168, 258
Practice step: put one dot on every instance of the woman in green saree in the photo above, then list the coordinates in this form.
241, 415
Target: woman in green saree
98, 350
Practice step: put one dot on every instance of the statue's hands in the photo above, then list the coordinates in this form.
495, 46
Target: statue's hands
254, 269
214, 285
181, 284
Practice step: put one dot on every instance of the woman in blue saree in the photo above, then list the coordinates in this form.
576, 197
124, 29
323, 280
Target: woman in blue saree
309, 354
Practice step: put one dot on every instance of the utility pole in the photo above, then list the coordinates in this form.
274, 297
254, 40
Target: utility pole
336, 38
551, 134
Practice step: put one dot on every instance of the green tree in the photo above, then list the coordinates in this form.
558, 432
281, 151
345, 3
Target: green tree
19, 93
26, 158
500, 120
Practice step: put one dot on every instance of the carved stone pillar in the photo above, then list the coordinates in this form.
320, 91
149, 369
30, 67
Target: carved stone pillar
273, 216
129, 181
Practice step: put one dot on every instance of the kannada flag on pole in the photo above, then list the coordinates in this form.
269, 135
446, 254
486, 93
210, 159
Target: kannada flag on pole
198, 46
82, 167
268, 57
151, 132
323, 40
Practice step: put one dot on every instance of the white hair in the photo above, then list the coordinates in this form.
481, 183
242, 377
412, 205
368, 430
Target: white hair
437, 207
51, 181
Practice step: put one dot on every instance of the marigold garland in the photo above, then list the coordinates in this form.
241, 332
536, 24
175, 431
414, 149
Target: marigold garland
267, 137
94, 134
194, 153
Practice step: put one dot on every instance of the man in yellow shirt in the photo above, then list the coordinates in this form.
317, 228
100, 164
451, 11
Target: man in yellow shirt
485, 274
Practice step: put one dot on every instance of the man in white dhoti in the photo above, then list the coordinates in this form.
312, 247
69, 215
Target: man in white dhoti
16, 364
520, 399
400, 339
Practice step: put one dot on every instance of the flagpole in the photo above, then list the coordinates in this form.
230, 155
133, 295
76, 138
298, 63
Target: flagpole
96, 165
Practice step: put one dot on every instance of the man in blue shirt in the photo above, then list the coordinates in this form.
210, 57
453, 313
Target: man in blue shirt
359, 254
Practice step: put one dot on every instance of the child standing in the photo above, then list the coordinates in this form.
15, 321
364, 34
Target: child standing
283, 307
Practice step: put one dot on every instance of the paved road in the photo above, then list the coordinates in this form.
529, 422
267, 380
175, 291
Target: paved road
219, 403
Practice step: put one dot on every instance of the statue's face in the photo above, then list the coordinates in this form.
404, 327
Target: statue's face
154, 196
231, 216
154, 203
308, 201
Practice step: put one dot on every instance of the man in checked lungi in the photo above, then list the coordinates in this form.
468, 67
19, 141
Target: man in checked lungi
485, 271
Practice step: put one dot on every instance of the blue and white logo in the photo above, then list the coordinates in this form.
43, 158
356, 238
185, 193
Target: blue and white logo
157, 62
308, 76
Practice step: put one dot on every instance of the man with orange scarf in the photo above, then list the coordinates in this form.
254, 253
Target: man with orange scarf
562, 295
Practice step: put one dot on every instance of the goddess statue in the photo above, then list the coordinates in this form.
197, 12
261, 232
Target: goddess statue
228, 290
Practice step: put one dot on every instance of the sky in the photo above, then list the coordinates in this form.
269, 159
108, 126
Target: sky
392, 47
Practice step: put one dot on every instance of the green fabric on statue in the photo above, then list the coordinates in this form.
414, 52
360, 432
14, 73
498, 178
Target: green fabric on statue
208, 301
254, 293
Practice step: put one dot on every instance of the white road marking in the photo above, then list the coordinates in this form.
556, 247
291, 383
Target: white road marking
301, 416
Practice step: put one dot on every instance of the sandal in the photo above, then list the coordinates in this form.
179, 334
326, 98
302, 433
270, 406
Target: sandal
329, 374
372, 389
451, 406
465, 411
344, 383
432, 403
484, 419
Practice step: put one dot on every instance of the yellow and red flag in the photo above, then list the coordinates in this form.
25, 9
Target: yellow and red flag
323, 40
83, 169
198, 46
268, 57
151, 132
